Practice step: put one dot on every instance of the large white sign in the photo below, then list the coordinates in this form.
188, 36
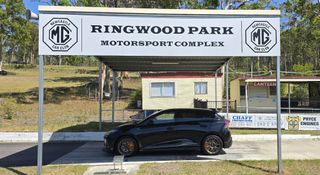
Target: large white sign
158, 35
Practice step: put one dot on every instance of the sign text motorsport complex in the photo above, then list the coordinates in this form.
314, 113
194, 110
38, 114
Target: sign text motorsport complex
158, 36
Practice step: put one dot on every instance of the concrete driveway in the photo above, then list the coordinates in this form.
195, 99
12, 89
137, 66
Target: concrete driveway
25, 154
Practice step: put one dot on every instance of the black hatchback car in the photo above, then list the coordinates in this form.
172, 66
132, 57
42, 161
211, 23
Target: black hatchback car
177, 129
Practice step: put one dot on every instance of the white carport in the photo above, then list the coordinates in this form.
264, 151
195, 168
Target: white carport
158, 40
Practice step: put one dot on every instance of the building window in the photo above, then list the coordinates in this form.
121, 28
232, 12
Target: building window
272, 90
162, 89
200, 87
242, 90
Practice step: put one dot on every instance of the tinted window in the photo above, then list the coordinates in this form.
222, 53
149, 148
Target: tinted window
192, 115
273, 90
242, 90
167, 117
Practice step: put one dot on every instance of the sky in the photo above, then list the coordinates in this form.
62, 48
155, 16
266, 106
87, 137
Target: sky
33, 5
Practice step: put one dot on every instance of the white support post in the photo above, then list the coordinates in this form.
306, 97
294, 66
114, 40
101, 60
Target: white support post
40, 116
227, 88
113, 94
279, 117
215, 90
289, 98
100, 96
247, 100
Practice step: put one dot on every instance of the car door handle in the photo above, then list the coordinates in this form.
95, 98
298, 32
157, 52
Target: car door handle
170, 128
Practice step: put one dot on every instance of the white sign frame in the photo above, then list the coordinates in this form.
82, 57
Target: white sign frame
166, 35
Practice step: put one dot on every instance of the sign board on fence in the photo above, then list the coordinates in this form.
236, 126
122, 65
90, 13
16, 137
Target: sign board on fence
110, 34
242, 120
303, 122
289, 122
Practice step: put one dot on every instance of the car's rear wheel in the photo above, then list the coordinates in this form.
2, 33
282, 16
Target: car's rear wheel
212, 145
126, 146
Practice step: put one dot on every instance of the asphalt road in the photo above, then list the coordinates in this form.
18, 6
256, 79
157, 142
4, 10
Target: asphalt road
25, 154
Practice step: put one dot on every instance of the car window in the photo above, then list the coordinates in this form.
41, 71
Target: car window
192, 115
167, 117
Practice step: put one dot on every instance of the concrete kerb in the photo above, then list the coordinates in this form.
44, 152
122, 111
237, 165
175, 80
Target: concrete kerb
98, 136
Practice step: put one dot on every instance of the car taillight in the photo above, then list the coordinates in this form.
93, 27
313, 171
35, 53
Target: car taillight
226, 124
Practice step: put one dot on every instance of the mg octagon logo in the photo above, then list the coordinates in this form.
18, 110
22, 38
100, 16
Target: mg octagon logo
60, 34
261, 36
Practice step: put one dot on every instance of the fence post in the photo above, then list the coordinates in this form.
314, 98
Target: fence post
122, 114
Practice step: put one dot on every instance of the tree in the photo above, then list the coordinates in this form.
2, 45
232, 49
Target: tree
14, 28
306, 69
3, 29
301, 35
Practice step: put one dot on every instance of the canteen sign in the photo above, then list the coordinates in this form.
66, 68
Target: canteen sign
131, 35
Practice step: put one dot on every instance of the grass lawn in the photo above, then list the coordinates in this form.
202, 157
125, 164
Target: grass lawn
24, 80
47, 170
67, 103
291, 167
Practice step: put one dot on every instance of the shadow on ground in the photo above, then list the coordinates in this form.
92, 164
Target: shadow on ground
28, 157
263, 170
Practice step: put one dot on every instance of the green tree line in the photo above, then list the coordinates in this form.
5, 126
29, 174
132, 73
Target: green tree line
300, 35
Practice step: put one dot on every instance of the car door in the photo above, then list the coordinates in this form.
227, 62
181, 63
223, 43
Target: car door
158, 131
192, 126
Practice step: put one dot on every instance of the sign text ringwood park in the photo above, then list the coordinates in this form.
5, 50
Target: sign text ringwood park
158, 36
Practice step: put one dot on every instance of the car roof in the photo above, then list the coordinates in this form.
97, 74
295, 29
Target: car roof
189, 109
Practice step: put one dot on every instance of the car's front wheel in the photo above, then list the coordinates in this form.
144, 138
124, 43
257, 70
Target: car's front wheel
126, 146
212, 145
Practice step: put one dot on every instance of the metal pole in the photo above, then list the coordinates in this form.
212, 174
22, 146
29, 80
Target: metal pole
113, 93
279, 117
40, 116
215, 90
227, 88
251, 74
247, 103
100, 96
289, 98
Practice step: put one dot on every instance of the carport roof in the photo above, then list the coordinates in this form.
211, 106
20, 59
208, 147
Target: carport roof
286, 79
177, 64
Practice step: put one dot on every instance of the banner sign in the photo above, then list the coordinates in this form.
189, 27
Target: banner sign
151, 35
241, 120
288, 122
303, 122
